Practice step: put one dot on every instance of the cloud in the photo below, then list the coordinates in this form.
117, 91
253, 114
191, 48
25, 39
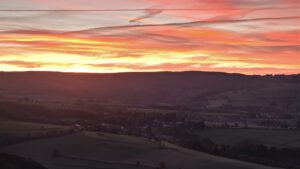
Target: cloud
22, 64
247, 36
151, 12
183, 24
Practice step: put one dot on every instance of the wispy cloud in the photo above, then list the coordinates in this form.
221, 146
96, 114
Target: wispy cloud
246, 36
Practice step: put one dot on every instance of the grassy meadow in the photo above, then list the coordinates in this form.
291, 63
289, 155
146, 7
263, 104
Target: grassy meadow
99, 150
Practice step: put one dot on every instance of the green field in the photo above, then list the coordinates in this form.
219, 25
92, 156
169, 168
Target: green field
15, 126
18, 131
97, 150
278, 138
268, 95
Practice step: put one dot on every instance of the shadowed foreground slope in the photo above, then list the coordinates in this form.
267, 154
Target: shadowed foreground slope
88, 150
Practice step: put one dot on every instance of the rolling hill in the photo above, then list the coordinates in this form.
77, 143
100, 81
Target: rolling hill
99, 150
195, 89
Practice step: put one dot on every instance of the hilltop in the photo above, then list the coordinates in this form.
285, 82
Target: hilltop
189, 89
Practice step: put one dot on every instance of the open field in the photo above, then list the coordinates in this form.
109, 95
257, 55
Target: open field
117, 151
14, 126
274, 95
21, 128
278, 138
15, 131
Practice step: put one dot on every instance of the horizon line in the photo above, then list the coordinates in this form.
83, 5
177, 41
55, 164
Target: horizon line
128, 72
133, 9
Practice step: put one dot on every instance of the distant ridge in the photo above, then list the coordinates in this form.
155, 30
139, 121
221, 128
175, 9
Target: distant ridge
176, 88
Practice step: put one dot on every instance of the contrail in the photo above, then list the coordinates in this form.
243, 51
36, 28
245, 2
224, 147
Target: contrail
193, 23
149, 13
129, 10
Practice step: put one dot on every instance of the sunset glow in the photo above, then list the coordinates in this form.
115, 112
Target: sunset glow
243, 36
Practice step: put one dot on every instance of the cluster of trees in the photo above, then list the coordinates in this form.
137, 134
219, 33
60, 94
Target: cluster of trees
247, 151
39, 113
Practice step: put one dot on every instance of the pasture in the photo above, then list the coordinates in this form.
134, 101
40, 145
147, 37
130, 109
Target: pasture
278, 138
17, 131
99, 150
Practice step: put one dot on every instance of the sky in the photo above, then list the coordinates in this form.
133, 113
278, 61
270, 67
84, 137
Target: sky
235, 36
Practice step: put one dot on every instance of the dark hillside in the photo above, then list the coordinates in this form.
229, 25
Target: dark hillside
176, 88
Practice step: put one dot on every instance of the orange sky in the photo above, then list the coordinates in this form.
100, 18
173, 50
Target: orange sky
243, 36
